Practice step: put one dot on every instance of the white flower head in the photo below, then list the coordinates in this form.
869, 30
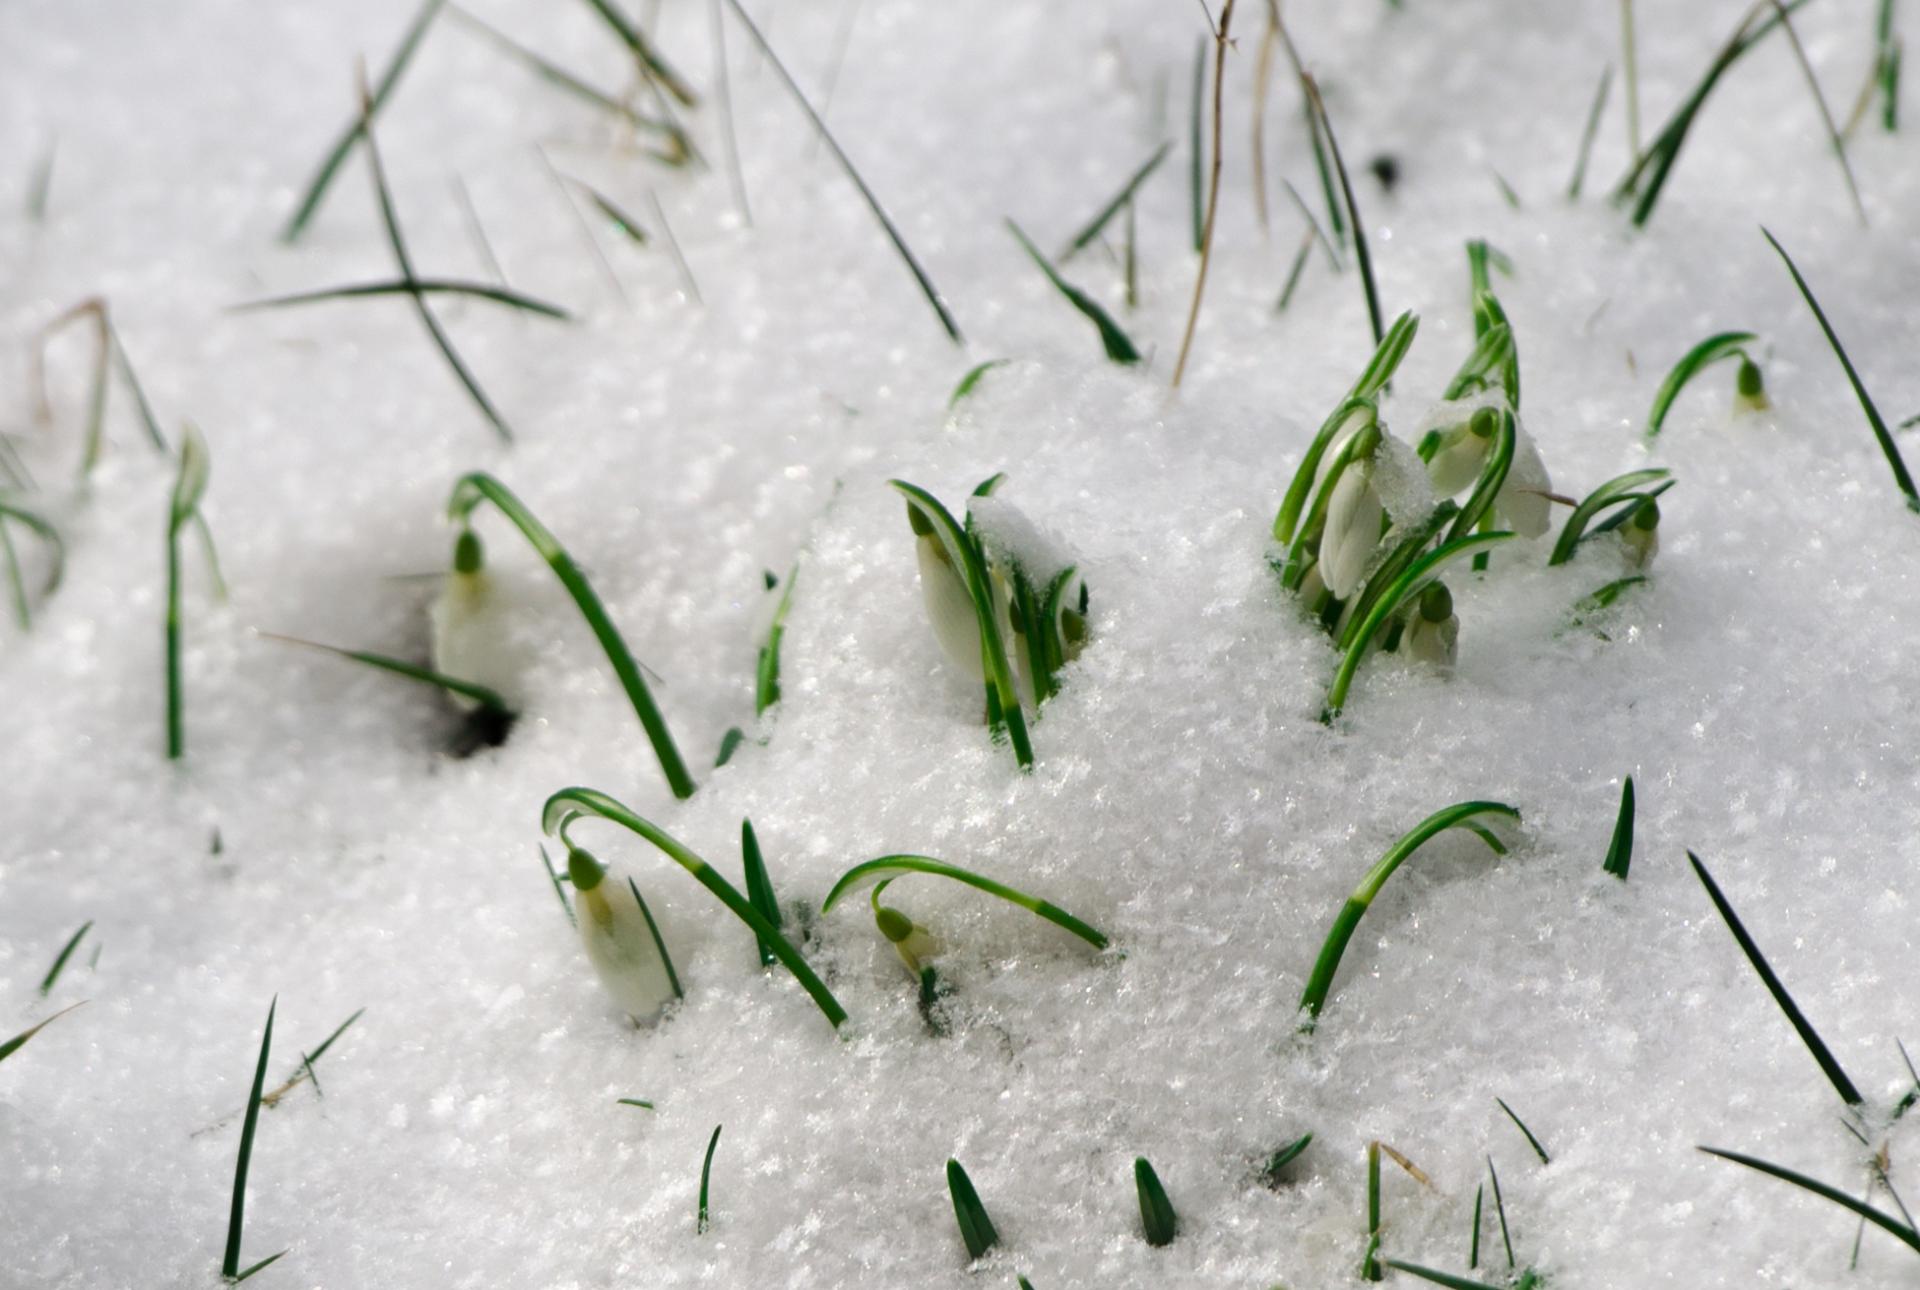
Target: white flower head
943, 589
1641, 534
913, 943
621, 940
1434, 634
1353, 520
1462, 453
468, 628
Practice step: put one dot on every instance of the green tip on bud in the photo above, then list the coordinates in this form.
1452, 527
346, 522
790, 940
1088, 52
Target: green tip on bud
1748, 381
1485, 422
467, 555
1646, 516
583, 870
922, 526
1436, 603
893, 924
1365, 443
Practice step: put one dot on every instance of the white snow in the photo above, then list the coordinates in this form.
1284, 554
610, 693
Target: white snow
1184, 799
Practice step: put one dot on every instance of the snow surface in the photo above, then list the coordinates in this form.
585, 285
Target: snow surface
1184, 799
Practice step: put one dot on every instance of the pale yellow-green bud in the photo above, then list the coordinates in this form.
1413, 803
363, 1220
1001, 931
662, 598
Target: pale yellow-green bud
619, 938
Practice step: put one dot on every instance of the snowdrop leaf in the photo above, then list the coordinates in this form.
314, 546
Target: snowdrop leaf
1722, 345
759, 887
1112, 208
1616, 491
1118, 345
414, 286
230, 1265
976, 1229
14, 1045
1906, 1233
480, 694
1438, 1278
570, 804
887, 868
1157, 1220
972, 379
1620, 849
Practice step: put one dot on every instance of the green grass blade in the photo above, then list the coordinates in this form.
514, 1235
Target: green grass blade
642, 1103
12, 1046
1320, 981
873, 203
976, 1229
188, 487
962, 552
1196, 148
553, 876
1473, 1248
766, 676
336, 157
1500, 1209
972, 379
706, 1178
559, 76
1370, 1263
571, 803
1620, 849
1726, 344
230, 1265
759, 887
1360, 253
261, 1266
650, 63
1907, 1235
888, 868
1092, 228
22, 610
1620, 490
1438, 1278
659, 942
480, 694
1158, 1222
148, 421
479, 486
1880, 432
1532, 1141
56, 546
409, 287
1119, 346
1821, 1054
729, 744
1834, 136
60, 960
1279, 1160
1587, 135
627, 224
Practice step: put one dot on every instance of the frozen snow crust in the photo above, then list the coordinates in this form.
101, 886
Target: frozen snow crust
1184, 799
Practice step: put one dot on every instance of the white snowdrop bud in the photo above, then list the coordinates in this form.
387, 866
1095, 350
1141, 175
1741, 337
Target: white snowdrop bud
1354, 513
1641, 534
1434, 634
1463, 453
912, 942
464, 634
620, 939
943, 589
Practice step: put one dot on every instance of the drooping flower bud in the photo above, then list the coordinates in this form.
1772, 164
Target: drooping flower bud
1434, 634
1749, 387
913, 943
943, 589
1463, 452
465, 637
1353, 523
1641, 534
621, 940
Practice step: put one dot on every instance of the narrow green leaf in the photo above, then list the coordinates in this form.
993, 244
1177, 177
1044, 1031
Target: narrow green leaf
560, 892
571, 803
634, 1101
60, 960
1815, 1045
468, 492
336, 156
976, 1229
888, 868
759, 887
1360, 253
1587, 135
706, 1177
1721, 345
1473, 1249
1620, 849
411, 287
40, 183
659, 942
1320, 981
1621, 491
560, 77
1438, 1278
1279, 1160
1119, 346
650, 63
1905, 1232
480, 694
729, 744
230, 1265
766, 677
1158, 1222
1120, 199
11, 1046
1894, 461
972, 378
1500, 1209
1532, 1141
1196, 148
261, 1266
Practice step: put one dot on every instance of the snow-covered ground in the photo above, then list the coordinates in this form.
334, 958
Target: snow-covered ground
318, 842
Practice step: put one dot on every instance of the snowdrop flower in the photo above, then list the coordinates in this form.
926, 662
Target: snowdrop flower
949, 604
462, 637
1354, 513
1641, 534
1434, 634
1462, 452
620, 939
912, 942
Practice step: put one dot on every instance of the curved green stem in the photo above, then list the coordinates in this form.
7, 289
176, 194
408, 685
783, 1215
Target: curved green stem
570, 804
887, 868
477, 487
1726, 344
1459, 815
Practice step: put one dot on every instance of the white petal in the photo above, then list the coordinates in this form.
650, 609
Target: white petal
1462, 456
1352, 531
1436, 643
949, 608
467, 634
1522, 498
621, 948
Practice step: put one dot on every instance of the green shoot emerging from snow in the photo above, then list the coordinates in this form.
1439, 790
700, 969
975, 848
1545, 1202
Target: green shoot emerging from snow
1905, 1232
1465, 815
1635, 510
188, 487
976, 1229
1620, 849
706, 1178
1158, 1222
11, 1046
230, 1265
60, 959
1727, 344
887, 868
468, 493
1119, 346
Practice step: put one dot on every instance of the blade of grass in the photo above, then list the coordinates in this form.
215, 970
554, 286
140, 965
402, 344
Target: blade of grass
1500, 1209
12, 1046
1360, 253
230, 1264
570, 804
1293, 273
60, 960
480, 694
888, 868
1438, 1278
558, 76
1093, 226
316, 190
411, 287
261, 1266
1459, 815
1196, 146
1473, 1248
1905, 1233
972, 379
1826, 116
976, 1229
1821, 1054
47, 533
659, 942
651, 65
1630, 56
626, 223
560, 892
1222, 37
40, 183
1370, 1262
706, 1177
1620, 849
736, 177
1158, 1222
873, 203
642, 1103
474, 488
1279, 1160
766, 674
759, 888
188, 487
1899, 467
1532, 1141
673, 249
1119, 346
1721, 345
1587, 135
